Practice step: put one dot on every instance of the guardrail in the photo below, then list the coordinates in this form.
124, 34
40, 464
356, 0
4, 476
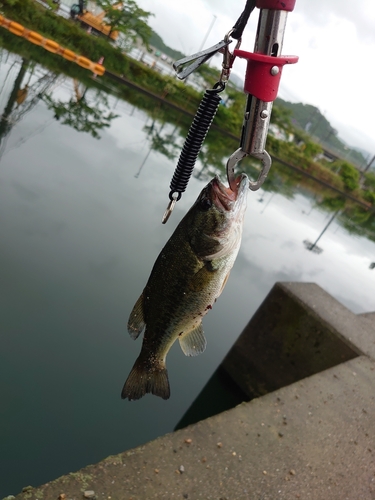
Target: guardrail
50, 45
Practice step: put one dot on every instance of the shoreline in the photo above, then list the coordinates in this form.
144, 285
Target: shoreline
169, 91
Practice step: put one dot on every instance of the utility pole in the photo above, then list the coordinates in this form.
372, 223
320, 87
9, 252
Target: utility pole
205, 38
313, 246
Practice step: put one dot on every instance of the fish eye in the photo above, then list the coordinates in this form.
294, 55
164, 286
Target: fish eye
205, 204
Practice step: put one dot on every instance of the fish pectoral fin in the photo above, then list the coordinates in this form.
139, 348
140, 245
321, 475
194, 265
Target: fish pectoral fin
136, 323
224, 283
194, 342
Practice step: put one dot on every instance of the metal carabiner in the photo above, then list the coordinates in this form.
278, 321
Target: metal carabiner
169, 209
239, 155
228, 57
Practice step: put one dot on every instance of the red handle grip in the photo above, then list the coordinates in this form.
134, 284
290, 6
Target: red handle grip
263, 73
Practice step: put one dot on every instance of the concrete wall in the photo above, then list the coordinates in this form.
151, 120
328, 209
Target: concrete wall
311, 436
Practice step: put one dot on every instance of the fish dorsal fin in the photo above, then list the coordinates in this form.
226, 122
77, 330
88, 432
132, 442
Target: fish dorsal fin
136, 321
194, 342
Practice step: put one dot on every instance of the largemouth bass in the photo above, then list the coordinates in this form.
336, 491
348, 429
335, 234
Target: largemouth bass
187, 278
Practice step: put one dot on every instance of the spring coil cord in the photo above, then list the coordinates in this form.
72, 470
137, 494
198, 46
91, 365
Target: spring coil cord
194, 140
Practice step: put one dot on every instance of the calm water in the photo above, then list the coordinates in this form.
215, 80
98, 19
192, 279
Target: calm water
80, 230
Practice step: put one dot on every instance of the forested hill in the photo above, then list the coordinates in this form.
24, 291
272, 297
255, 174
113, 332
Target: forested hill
157, 42
311, 120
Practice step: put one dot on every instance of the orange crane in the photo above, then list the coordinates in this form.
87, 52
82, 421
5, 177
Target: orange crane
94, 21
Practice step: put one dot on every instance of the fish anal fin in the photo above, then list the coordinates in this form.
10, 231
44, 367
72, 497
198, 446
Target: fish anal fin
194, 342
136, 323
146, 377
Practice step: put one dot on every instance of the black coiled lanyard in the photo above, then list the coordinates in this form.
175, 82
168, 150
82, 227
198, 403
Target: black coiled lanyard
193, 144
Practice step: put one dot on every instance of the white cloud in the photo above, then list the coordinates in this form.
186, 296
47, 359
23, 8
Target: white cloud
361, 14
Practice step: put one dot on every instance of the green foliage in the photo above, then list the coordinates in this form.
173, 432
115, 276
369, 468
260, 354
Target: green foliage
274, 145
369, 196
53, 5
333, 203
281, 116
311, 149
294, 155
358, 220
230, 118
370, 180
349, 175
127, 17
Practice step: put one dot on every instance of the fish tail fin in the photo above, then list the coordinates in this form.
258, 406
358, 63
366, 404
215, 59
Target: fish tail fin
146, 377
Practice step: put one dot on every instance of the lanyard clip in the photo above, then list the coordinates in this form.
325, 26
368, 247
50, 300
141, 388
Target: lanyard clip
198, 59
228, 58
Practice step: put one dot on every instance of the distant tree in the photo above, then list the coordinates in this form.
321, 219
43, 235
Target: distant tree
125, 16
312, 150
332, 203
349, 175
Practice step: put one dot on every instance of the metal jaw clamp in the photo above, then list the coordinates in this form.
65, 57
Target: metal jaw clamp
264, 68
198, 59
185, 66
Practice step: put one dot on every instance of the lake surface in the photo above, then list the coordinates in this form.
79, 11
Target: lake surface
80, 222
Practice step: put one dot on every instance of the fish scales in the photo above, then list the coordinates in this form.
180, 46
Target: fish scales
186, 279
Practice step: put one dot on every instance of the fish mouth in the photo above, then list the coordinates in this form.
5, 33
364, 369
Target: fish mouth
227, 200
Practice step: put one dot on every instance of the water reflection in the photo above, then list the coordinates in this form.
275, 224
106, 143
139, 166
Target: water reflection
26, 85
313, 247
80, 219
163, 142
83, 113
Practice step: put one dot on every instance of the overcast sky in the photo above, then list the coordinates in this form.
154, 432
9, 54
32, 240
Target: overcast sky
334, 39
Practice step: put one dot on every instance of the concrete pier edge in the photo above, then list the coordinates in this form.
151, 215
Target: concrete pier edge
311, 435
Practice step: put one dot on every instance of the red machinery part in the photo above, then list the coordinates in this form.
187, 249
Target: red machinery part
287, 5
263, 73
